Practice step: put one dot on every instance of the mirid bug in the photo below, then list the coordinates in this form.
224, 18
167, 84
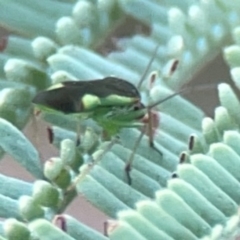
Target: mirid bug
112, 102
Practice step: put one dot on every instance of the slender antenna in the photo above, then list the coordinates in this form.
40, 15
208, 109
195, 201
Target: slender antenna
184, 90
165, 99
148, 67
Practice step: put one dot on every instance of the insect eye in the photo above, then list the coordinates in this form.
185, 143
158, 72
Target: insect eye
138, 106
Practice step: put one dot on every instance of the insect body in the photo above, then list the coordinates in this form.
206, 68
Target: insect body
86, 96
110, 101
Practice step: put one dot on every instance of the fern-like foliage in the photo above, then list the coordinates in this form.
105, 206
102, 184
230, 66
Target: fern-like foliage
191, 191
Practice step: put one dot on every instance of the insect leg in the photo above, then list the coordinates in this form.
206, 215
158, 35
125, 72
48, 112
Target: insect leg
105, 228
131, 158
34, 125
78, 135
148, 128
151, 132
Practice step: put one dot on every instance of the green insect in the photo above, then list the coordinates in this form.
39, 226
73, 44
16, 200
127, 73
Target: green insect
112, 102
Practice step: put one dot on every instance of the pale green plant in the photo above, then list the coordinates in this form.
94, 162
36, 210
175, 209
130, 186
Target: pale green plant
55, 41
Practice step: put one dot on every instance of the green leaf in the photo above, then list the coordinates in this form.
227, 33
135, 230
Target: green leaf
17, 145
207, 183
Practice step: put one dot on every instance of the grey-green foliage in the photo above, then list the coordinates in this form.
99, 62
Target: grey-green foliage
201, 202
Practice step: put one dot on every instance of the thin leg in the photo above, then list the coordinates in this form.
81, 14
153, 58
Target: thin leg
151, 133
105, 228
131, 158
78, 128
149, 129
34, 126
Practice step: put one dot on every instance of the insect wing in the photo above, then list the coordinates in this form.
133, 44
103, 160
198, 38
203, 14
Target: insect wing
117, 86
61, 98
84, 96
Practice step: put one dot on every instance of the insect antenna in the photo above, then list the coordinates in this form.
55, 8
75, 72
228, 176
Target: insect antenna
184, 90
148, 67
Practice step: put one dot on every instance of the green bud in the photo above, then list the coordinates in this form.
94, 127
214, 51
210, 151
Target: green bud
210, 131
5, 112
197, 19
61, 76
45, 194
177, 20
84, 13
15, 230
68, 151
53, 168
68, 32
13, 105
175, 46
64, 179
78, 161
89, 141
29, 209
43, 48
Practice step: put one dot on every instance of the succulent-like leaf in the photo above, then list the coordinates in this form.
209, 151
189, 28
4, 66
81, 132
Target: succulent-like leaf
202, 200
